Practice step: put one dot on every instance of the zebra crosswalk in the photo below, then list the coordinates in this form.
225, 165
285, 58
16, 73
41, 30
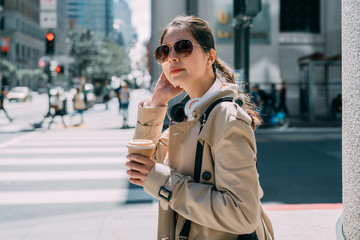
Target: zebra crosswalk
67, 169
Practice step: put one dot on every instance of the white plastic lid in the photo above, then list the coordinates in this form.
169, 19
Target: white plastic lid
141, 144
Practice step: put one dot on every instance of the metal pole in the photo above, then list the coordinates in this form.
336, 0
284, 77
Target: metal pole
311, 92
246, 56
192, 7
241, 42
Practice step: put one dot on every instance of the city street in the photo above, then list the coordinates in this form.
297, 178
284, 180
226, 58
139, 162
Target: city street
61, 171
81, 169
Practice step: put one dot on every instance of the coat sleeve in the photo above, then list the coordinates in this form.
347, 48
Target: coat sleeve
232, 204
149, 126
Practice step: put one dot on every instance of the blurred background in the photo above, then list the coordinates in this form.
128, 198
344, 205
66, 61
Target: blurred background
67, 43
73, 71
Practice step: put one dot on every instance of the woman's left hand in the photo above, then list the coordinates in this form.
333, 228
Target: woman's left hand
139, 168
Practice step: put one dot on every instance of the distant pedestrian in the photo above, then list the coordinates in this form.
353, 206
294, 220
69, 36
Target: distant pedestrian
262, 102
118, 90
124, 97
254, 95
282, 99
336, 106
273, 98
57, 108
107, 94
2, 100
79, 104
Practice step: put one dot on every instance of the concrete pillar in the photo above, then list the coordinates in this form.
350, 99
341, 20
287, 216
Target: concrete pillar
351, 118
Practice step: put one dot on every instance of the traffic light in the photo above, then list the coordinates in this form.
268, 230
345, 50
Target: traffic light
59, 69
49, 43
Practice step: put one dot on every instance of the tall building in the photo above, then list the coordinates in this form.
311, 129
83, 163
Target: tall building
24, 37
61, 29
96, 15
122, 23
20, 26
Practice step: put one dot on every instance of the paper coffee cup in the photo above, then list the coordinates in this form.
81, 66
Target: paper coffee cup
143, 147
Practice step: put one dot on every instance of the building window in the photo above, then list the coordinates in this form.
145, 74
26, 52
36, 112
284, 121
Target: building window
17, 49
2, 23
300, 16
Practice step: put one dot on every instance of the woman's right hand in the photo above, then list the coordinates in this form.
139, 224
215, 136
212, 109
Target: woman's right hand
164, 91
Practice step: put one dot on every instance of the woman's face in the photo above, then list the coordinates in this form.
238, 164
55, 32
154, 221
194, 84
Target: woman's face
186, 72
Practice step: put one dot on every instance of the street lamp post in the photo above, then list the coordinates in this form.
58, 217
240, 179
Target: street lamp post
244, 12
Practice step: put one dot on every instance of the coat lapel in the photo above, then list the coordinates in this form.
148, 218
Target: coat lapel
182, 146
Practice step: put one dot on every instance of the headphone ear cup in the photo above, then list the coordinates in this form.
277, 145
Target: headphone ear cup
176, 113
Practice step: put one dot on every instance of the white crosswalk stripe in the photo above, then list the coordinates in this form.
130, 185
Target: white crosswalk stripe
60, 161
19, 160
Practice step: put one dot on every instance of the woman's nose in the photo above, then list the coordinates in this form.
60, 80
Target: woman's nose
173, 56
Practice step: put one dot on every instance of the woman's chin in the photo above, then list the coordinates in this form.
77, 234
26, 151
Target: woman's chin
177, 82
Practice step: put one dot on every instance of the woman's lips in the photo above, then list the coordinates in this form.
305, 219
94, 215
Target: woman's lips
176, 70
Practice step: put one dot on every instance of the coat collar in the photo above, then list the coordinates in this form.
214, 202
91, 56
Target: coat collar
226, 90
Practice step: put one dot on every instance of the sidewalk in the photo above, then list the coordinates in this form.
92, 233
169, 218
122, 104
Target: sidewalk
139, 221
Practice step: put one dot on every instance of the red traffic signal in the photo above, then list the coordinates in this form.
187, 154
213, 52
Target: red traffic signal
59, 69
50, 36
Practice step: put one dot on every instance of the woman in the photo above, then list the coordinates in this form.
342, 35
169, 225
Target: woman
225, 203
79, 104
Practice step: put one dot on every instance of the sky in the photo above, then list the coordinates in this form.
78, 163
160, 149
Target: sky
141, 19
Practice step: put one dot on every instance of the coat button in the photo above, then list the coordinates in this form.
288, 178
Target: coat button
206, 176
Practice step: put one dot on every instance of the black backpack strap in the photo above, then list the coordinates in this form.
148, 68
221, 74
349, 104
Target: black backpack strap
185, 231
206, 114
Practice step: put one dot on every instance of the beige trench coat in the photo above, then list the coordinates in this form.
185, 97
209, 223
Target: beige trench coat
226, 202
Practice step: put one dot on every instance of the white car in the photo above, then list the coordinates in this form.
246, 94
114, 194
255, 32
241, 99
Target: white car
20, 94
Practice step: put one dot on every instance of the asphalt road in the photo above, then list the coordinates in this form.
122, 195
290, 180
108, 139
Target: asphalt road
300, 166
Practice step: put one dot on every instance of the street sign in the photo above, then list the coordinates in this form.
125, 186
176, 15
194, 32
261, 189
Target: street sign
48, 20
5, 44
48, 5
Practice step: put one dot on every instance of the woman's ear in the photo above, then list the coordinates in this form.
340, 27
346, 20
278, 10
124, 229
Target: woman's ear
211, 57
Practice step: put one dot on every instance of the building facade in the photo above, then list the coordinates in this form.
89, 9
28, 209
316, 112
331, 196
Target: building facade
96, 15
281, 34
20, 25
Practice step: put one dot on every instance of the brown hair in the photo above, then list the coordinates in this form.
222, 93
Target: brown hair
202, 33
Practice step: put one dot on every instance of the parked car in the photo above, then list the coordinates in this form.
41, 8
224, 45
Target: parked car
20, 94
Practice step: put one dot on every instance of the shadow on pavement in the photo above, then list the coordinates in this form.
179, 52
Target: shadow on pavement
136, 194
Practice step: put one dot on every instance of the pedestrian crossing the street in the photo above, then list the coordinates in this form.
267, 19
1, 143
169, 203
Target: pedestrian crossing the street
67, 167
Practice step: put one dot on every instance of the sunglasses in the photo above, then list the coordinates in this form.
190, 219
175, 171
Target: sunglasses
182, 48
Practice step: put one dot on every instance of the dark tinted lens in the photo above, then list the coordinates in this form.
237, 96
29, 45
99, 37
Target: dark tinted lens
161, 53
183, 48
